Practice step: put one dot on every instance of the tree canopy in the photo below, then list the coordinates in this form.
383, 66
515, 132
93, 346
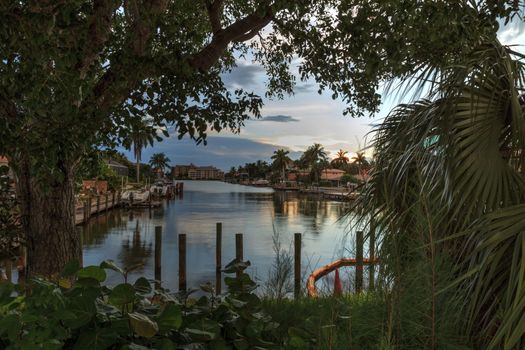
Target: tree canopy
79, 74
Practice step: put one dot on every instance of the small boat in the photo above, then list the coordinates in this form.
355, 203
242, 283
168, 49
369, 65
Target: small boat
133, 197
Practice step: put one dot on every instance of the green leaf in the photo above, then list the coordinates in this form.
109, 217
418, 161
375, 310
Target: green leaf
236, 266
100, 339
170, 318
122, 294
142, 325
110, 265
241, 344
94, 272
142, 286
198, 335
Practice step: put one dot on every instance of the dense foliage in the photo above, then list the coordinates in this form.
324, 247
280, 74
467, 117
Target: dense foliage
80, 312
447, 196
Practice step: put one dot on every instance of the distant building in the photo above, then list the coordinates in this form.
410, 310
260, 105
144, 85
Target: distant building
332, 174
181, 171
118, 168
205, 173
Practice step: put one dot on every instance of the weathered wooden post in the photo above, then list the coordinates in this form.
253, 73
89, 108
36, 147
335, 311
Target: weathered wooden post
107, 201
86, 215
158, 255
182, 262
297, 265
238, 249
359, 262
218, 259
113, 200
98, 203
81, 260
371, 255
90, 206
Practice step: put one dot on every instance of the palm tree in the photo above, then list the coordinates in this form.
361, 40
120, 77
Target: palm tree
340, 159
315, 158
159, 161
360, 160
448, 195
281, 161
142, 134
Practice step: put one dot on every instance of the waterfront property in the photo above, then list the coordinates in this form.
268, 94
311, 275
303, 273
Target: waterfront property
194, 172
118, 168
205, 173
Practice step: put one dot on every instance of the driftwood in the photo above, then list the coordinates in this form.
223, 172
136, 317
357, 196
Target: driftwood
323, 271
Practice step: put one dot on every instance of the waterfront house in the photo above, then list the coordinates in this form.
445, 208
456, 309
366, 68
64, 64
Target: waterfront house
332, 175
118, 168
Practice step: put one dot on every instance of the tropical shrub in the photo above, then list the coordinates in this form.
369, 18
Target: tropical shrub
447, 197
77, 311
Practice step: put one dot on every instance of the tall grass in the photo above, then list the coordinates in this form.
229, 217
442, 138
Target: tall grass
351, 322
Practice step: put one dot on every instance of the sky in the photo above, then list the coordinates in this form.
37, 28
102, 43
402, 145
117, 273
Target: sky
293, 123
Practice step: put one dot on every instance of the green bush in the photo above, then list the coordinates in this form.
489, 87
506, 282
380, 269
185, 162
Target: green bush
355, 321
79, 312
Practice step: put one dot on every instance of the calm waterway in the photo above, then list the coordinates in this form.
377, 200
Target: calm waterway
128, 236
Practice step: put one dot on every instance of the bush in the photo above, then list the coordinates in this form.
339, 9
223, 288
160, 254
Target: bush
78, 312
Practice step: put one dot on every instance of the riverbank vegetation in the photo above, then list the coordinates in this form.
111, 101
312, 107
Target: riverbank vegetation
307, 169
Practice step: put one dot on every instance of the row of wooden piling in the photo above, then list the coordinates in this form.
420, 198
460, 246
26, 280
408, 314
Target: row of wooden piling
239, 256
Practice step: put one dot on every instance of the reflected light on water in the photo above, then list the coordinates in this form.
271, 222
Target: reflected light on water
128, 236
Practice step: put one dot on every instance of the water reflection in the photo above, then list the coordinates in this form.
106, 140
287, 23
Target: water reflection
128, 237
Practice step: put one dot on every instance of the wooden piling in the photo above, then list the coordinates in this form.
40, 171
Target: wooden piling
113, 200
86, 215
182, 262
297, 265
371, 255
107, 201
359, 262
81, 259
158, 255
98, 203
90, 207
218, 259
238, 249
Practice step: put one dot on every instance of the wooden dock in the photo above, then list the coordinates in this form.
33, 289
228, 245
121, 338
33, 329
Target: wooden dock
95, 204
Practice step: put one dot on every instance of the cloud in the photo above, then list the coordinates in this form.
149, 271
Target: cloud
244, 76
222, 152
279, 118
304, 88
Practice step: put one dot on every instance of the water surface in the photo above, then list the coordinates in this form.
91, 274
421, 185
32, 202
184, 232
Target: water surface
128, 236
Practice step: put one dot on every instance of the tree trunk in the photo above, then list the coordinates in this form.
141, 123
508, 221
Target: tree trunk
48, 221
138, 170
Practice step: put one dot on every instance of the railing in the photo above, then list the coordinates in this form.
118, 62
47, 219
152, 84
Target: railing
95, 204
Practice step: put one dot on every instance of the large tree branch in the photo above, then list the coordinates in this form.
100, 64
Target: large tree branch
242, 30
144, 23
98, 34
214, 13
116, 84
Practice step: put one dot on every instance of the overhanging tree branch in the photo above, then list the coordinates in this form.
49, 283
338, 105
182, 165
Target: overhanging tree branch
242, 30
98, 34
214, 13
